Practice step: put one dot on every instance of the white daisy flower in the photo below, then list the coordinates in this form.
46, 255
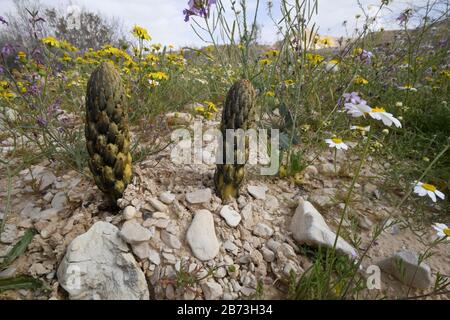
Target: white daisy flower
442, 230
387, 118
423, 189
336, 143
363, 129
357, 110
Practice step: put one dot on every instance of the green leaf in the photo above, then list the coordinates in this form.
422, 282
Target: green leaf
284, 141
18, 248
297, 163
20, 282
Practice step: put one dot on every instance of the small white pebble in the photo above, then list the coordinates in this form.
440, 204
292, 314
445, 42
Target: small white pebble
129, 212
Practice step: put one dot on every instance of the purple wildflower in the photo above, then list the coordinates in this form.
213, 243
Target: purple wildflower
353, 104
352, 97
7, 49
41, 121
404, 16
2, 70
3, 21
366, 57
32, 90
199, 8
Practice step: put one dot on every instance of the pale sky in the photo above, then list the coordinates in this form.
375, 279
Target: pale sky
165, 22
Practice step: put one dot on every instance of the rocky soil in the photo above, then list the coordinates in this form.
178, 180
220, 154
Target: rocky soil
173, 238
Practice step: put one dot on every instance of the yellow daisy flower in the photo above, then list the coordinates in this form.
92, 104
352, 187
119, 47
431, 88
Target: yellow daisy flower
141, 33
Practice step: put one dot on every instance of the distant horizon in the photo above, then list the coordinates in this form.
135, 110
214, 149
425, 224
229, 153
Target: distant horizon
165, 22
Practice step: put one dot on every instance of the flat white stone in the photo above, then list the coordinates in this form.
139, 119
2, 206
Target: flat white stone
258, 192
231, 216
167, 197
199, 196
404, 265
133, 233
170, 240
154, 257
201, 236
309, 227
158, 205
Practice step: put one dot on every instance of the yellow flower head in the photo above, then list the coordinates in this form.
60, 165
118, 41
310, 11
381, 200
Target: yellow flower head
7, 94
141, 33
66, 57
289, 82
314, 58
68, 46
378, 109
265, 62
199, 109
211, 106
21, 55
272, 53
159, 75
326, 41
361, 81
357, 51
21, 87
429, 187
151, 58
112, 51
50, 41
4, 84
270, 94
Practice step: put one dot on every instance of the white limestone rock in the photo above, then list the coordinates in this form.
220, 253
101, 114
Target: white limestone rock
258, 192
199, 196
133, 233
98, 265
232, 217
309, 227
404, 265
201, 236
